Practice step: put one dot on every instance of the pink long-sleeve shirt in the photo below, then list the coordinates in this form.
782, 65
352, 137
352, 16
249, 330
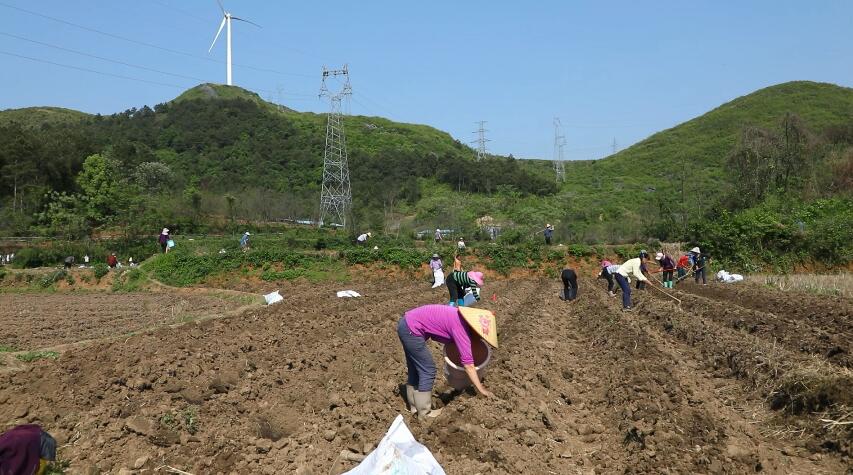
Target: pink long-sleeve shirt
443, 324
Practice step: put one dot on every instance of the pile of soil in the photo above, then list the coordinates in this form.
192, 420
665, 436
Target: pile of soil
582, 387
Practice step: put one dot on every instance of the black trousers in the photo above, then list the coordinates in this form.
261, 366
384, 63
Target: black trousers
570, 284
454, 288
607, 275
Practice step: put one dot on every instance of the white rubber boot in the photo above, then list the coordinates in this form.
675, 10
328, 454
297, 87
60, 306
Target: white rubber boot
410, 398
423, 402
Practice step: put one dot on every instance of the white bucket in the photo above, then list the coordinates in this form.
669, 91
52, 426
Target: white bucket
469, 300
455, 372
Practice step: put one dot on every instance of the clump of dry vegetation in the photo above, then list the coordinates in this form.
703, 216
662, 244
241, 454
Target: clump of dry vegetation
823, 284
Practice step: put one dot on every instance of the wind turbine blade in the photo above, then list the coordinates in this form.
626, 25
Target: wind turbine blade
221, 25
247, 21
221, 7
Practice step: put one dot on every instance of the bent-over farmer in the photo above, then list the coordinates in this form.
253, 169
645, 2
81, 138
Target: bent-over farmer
445, 325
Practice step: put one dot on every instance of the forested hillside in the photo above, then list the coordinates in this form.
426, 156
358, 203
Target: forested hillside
222, 151
217, 155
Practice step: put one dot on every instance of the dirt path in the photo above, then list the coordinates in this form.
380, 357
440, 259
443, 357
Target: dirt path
582, 388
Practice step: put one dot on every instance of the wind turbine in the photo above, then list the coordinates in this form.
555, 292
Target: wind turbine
226, 20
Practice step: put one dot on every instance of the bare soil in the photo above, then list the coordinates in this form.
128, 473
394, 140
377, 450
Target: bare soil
582, 387
36, 321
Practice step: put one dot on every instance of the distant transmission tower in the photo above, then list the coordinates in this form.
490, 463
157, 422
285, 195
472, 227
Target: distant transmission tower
614, 145
559, 143
481, 140
336, 195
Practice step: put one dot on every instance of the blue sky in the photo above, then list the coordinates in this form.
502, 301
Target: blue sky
610, 70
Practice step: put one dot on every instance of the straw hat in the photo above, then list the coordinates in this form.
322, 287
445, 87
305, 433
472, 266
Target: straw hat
696, 250
248, 233
483, 322
435, 256
165, 231
477, 277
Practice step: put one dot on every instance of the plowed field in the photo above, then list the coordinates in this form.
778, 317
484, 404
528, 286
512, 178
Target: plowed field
713, 386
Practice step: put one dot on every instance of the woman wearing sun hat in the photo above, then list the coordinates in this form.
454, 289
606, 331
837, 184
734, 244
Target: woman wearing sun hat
445, 325
458, 281
437, 268
607, 271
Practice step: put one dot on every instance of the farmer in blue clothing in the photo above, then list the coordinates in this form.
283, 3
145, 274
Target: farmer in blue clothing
244, 241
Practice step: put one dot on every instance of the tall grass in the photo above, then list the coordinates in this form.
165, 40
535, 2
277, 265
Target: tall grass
831, 284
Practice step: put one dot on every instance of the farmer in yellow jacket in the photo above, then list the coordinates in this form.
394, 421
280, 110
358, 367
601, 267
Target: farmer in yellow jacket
631, 268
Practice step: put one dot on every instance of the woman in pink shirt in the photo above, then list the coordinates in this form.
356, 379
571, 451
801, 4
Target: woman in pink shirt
443, 324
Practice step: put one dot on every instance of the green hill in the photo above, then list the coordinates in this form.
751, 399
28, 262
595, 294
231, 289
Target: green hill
701, 145
38, 116
223, 151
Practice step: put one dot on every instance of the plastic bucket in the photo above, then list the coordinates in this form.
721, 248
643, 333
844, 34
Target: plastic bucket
455, 372
469, 300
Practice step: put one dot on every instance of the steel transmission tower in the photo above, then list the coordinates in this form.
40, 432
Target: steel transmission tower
559, 143
481, 139
336, 195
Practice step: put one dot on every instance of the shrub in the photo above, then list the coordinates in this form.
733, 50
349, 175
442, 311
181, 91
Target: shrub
99, 270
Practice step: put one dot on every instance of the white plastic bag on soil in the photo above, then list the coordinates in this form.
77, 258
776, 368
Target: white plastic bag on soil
273, 297
398, 453
348, 293
724, 276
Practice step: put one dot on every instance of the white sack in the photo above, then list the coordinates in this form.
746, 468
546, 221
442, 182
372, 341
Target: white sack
348, 293
398, 453
438, 274
273, 297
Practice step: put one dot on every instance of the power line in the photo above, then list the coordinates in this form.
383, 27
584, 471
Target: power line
142, 43
144, 68
78, 68
115, 61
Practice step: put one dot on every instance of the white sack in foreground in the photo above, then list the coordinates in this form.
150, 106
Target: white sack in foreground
398, 453
273, 297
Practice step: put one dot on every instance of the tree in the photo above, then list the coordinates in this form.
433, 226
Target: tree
153, 177
101, 183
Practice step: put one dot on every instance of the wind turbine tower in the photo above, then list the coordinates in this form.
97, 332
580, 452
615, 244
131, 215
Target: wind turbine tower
335, 194
559, 143
226, 21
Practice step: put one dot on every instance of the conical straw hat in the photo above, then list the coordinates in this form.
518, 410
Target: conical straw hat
483, 322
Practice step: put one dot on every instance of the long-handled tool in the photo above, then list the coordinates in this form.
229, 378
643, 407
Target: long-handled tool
688, 274
654, 286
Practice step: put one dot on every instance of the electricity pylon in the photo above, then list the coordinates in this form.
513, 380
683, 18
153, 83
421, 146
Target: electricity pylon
481, 140
335, 195
559, 143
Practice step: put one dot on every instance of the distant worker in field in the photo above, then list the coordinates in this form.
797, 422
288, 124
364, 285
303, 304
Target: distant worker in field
460, 245
700, 262
244, 241
112, 260
641, 284
549, 233
631, 268
68, 262
362, 238
457, 263
608, 269
682, 266
86, 260
437, 235
164, 240
570, 284
437, 268
445, 325
667, 266
458, 281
